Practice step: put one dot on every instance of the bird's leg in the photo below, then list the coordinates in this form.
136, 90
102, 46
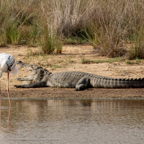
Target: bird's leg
0, 103
8, 89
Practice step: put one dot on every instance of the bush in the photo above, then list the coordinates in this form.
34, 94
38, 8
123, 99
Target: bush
50, 43
113, 24
136, 51
107, 24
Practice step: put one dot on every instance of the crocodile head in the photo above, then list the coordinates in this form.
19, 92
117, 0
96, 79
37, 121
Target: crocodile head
20, 63
37, 73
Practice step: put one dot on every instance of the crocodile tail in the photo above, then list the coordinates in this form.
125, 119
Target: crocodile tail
119, 83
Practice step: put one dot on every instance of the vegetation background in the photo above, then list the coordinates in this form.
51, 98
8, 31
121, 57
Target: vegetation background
114, 27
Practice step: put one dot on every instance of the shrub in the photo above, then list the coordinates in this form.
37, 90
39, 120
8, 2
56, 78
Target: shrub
136, 51
107, 24
113, 24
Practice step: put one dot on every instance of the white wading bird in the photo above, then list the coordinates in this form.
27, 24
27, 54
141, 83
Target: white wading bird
7, 65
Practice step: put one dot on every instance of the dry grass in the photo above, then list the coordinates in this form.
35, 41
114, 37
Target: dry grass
107, 24
114, 24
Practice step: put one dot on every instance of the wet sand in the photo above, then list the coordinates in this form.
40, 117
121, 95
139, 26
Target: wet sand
70, 93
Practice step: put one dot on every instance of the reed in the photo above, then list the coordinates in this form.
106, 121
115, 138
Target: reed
109, 25
113, 24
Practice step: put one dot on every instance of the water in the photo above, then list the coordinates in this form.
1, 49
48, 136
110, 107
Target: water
72, 122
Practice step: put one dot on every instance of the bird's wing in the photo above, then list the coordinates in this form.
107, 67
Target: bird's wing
12, 65
10, 62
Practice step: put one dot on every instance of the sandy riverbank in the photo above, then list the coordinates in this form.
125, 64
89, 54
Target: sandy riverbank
70, 59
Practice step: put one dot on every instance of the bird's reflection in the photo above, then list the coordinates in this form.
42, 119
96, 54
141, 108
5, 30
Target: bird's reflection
9, 115
9, 111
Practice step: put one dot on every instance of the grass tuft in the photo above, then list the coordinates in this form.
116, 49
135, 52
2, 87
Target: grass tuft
136, 51
13, 34
86, 61
130, 62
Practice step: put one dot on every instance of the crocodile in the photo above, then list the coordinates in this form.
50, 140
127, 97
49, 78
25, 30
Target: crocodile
41, 77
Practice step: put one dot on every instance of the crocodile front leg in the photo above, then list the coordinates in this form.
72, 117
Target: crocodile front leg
83, 83
34, 85
25, 79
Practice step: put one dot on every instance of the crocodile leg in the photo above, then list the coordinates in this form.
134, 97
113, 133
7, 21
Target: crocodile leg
29, 78
83, 83
34, 85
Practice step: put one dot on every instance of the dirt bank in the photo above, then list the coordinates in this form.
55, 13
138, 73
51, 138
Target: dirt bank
71, 59
60, 93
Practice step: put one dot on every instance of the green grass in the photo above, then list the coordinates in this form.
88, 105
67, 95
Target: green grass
131, 62
13, 34
86, 61
3, 40
75, 40
57, 66
136, 51
50, 44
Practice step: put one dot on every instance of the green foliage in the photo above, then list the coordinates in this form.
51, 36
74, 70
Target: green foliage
34, 34
86, 61
57, 66
137, 47
136, 51
3, 39
51, 43
75, 40
13, 34
130, 62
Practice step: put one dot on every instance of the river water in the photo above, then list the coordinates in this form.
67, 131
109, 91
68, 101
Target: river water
72, 122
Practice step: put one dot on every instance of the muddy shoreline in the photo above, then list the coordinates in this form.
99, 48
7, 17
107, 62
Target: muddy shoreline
70, 93
71, 60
